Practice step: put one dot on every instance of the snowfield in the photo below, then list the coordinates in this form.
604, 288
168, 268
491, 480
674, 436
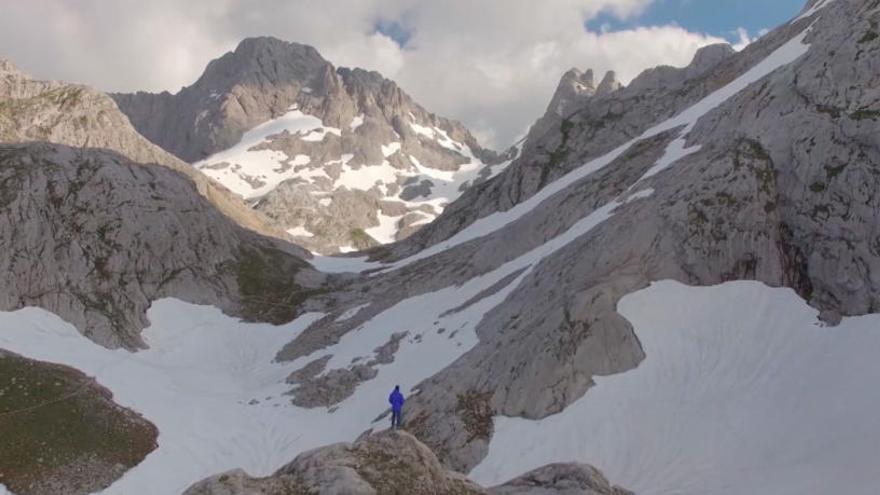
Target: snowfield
209, 384
742, 391
252, 171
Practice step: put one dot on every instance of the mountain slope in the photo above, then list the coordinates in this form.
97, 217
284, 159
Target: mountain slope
99, 222
759, 169
84, 442
76, 115
342, 159
95, 238
544, 317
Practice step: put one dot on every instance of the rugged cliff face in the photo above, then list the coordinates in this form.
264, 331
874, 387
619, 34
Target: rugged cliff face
95, 238
79, 116
753, 165
99, 222
342, 159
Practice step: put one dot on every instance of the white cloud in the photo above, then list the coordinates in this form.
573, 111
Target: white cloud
492, 64
745, 39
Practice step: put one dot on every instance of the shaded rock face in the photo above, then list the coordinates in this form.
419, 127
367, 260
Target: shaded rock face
394, 462
94, 238
72, 114
79, 116
341, 158
386, 463
238, 91
560, 479
779, 186
99, 222
591, 124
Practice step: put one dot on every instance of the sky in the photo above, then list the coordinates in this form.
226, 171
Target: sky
492, 64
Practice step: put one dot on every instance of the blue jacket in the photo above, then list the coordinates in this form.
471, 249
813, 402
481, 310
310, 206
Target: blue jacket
396, 399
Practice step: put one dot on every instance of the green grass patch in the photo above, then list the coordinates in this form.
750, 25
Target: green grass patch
476, 413
868, 37
267, 284
360, 240
865, 114
60, 432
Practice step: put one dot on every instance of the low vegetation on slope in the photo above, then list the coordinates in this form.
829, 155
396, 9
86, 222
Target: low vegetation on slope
61, 432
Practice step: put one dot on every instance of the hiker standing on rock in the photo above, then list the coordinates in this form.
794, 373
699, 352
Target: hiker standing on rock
396, 399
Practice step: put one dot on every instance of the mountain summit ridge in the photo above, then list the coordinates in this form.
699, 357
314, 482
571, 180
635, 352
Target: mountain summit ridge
343, 159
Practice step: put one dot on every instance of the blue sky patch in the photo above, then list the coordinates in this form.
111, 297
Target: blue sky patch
716, 17
394, 30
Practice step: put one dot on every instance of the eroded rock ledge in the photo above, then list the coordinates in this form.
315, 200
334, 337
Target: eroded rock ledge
394, 462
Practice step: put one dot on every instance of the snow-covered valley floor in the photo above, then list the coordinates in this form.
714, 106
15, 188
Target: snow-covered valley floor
742, 391
209, 384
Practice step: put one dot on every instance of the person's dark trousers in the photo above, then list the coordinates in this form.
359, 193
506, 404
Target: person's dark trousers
395, 419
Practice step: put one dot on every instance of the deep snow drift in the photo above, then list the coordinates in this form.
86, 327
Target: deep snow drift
742, 391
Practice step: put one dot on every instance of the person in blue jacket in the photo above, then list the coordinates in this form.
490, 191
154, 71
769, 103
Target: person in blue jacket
396, 399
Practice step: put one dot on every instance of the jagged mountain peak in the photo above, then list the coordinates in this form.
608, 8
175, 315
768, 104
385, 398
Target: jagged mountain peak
269, 44
342, 159
609, 84
7, 67
362, 76
573, 86
575, 75
708, 57
263, 60
704, 61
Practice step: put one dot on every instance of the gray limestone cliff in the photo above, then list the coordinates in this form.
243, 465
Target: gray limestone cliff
94, 237
779, 185
79, 116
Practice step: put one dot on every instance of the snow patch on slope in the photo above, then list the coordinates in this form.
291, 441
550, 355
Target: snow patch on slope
356, 122
815, 8
743, 393
252, 173
300, 231
350, 313
365, 177
386, 230
678, 149
784, 55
